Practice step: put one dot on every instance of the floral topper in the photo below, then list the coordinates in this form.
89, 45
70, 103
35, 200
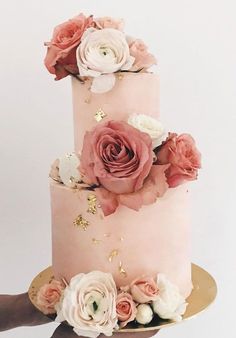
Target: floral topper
96, 48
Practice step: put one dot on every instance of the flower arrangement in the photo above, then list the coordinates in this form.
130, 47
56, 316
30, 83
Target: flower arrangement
92, 304
131, 163
96, 48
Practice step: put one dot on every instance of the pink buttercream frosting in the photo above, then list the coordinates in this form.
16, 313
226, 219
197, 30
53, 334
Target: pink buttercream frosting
155, 239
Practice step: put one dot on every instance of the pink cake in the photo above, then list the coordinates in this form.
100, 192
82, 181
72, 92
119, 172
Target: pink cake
120, 201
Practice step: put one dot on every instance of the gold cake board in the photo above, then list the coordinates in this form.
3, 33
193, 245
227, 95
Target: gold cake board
203, 294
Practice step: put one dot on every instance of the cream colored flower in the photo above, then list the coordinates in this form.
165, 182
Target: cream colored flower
102, 52
170, 304
144, 314
68, 169
149, 125
89, 304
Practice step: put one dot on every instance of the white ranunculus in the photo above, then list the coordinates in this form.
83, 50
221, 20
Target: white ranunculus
68, 170
89, 304
144, 314
149, 125
170, 304
102, 52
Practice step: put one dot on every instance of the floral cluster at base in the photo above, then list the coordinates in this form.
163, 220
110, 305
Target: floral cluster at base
130, 163
96, 48
92, 305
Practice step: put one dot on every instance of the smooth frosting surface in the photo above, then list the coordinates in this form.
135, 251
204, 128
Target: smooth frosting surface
133, 93
156, 239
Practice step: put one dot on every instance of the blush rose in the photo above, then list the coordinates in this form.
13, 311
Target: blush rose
143, 59
125, 308
61, 55
108, 22
181, 153
144, 290
49, 296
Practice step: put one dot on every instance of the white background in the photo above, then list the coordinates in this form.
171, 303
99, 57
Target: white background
195, 44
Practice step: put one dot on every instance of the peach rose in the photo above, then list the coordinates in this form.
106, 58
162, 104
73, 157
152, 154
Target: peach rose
183, 156
117, 156
61, 55
49, 296
144, 290
143, 59
108, 22
125, 308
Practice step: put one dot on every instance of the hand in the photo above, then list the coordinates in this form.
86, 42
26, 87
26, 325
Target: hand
64, 331
18, 311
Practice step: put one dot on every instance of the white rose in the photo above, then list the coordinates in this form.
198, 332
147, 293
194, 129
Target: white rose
144, 314
102, 52
68, 170
149, 125
89, 304
170, 304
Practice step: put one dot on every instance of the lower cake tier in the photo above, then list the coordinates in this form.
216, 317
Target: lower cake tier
128, 244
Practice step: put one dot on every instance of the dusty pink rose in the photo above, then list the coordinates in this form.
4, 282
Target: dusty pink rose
117, 156
125, 308
61, 55
144, 290
48, 296
143, 59
108, 22
181, 154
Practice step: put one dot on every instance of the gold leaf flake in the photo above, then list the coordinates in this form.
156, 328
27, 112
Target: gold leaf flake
122, 270
120, 76
107, 235
113, 254
88, 100
96, 241
72, 179
81, 222
92, 204
100, 115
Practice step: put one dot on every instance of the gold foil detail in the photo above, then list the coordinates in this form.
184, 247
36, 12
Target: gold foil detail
81, 222
107, 235
96, 241
122, 270
92, 204
88, 100
120, 76
100, 115
113, 254
72, 179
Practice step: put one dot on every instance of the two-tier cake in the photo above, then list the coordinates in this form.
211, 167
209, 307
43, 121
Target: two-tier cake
120, 213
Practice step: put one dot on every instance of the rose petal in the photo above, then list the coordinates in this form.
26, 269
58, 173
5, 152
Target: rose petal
107, 200
154, 186
103, 83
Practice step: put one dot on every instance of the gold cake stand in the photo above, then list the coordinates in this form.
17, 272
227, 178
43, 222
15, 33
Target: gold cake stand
203, 294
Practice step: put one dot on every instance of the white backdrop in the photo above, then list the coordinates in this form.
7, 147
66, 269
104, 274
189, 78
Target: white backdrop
195, 43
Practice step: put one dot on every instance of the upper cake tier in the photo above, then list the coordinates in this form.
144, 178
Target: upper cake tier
133, 93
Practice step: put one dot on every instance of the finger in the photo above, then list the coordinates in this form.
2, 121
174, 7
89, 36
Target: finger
64, 331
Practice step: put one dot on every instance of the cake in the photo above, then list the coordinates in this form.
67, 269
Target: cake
120, 200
